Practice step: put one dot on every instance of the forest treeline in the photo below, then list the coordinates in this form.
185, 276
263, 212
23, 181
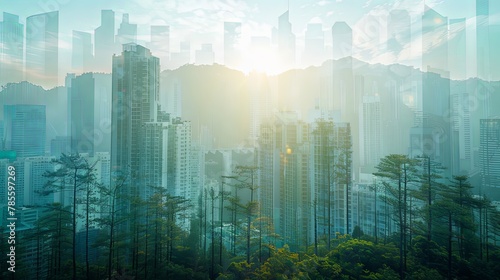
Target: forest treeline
442, 231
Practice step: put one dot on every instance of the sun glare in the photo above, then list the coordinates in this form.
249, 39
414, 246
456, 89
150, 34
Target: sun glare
261, 61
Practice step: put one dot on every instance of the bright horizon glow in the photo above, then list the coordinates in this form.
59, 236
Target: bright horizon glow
201, 22
261, 61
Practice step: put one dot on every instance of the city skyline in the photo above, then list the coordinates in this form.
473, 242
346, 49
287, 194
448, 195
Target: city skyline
151, 138
189, 22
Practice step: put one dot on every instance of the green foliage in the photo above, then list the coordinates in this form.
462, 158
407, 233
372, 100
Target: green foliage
360, 258
281, 265
424, 273
314, 267
239, 270
158, 246
428, 254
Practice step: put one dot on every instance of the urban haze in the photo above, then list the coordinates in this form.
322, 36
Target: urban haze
236, 139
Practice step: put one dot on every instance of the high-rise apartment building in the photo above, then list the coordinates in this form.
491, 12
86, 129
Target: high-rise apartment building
135, 94
154, 153
34, 181
285, 192
371, 132
489, 152
179, 159
331, 176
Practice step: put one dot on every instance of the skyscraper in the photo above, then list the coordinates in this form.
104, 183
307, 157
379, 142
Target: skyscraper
461, 128
482, 38
285, 193
90, 113
433, 136
436, 139
460, 109
331, 167
341, 40
179, 159
82, 57
434, 41
11, 49
25, 129
135, 93
104, 38
489, 152
232, 37
371, 134
286, 41
42, 49
457, 49
484, 54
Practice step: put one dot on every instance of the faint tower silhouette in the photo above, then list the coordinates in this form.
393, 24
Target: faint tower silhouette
314, 45
286, 41
81, 57
11, 49
434, 41
457, 49
398, 33
182, 57
104, 37
127, 32
205, 55
483, 39
232, 40
89, 115
42, 49
160, 43
341, 40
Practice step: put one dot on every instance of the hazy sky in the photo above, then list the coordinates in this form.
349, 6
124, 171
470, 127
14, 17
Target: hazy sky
201, 21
